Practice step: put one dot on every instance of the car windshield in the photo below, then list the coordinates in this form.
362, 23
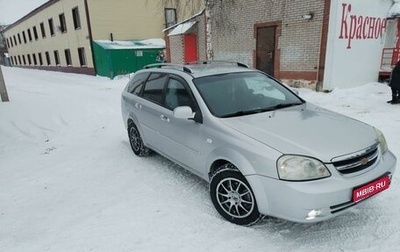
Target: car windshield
244, 93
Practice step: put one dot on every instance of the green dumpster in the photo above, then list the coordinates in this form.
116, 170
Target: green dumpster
113, 58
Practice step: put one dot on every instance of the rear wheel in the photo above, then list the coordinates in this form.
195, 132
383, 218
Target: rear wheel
232, 196
136, 141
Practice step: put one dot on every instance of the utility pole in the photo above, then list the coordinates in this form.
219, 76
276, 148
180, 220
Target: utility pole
3, 90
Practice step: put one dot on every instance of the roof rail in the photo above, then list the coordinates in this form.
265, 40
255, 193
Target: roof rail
178, 66
219, 61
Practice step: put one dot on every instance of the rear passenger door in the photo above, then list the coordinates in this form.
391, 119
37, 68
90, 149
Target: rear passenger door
151, 107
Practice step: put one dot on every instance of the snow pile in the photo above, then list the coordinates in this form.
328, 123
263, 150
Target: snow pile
70, 182
155, 43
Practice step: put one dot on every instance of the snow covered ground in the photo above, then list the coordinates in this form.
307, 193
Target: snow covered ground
70, 182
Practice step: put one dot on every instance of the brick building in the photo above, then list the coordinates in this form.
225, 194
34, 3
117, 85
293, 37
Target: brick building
322, 43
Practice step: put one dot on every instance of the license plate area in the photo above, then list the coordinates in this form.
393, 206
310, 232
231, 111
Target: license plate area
370, 189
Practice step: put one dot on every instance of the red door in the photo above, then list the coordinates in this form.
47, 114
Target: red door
190, 44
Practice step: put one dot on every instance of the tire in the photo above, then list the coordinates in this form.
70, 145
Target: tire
232, 196
136, 141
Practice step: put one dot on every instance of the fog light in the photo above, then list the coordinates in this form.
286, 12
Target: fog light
314, 214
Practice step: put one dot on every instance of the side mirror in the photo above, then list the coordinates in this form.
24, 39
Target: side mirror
183, 112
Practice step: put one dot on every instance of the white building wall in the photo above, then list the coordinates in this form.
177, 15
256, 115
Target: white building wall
355, 41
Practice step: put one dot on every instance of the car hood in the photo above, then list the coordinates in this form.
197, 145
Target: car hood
306, 130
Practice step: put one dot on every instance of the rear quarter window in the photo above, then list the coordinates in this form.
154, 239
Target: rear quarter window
135, 85
154, 86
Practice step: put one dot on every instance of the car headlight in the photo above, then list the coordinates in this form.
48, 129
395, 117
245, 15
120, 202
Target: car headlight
382, 140
298, 168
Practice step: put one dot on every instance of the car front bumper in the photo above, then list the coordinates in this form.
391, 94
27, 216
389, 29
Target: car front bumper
317, 200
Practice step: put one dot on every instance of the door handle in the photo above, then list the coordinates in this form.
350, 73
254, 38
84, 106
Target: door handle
164, 118
138, 105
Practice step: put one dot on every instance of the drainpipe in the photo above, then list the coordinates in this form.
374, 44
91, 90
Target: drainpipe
3, 89
323, 46
90, 34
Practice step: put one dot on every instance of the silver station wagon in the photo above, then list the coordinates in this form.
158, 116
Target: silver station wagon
263, 149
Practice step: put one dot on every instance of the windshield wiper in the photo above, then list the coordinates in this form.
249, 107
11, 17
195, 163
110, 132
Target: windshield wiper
242, 113
284, 105
260, 110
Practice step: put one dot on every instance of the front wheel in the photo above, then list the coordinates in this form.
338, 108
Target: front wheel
136, 141
232, 196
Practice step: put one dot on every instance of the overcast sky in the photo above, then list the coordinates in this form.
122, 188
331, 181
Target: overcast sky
12, 10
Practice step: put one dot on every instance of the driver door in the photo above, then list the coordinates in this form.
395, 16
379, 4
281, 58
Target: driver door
183, 135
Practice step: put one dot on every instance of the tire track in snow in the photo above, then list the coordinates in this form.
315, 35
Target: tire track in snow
62, 120
20, 130
41, 127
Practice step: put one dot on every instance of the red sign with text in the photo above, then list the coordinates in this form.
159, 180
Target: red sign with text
370, 189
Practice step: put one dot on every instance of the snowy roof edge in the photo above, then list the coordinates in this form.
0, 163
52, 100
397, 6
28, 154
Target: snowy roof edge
184, 21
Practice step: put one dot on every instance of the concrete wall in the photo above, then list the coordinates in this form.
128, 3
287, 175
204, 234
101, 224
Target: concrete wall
127, 19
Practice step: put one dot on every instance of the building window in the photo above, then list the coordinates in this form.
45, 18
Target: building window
19, 39
68, 57
34, 59
40, 59
12, 60
29, 59
170, 17
42, 30
35, 34
24, 37
48, 58
29, 35
15, 40
11, 42
82, 56
51, 27
23, 58
19, 60
57, 58
77, 19
8, 43
63, 24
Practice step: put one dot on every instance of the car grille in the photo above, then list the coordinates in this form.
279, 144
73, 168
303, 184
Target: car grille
357, 161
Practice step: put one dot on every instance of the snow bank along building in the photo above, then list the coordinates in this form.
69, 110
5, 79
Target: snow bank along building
60, 35
323, 43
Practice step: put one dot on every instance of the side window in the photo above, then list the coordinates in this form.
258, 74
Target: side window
177, 95
154, 86
136, 83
